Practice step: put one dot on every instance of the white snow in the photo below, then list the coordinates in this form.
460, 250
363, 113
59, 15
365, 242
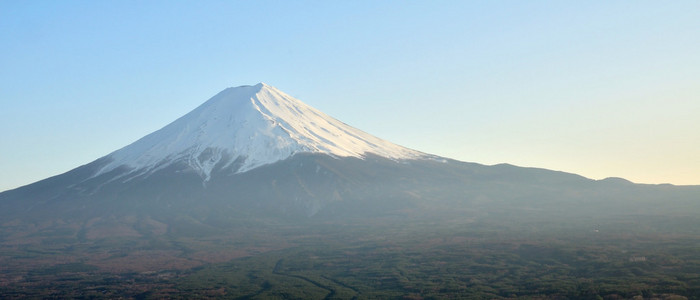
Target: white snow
258, 124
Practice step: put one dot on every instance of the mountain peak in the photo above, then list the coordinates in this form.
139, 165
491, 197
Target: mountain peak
245, 127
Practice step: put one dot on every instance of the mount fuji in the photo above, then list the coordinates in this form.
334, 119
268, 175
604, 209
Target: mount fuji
215, 153
256, 151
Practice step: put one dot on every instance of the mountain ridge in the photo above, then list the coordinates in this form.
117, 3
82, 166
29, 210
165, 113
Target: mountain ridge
256, 149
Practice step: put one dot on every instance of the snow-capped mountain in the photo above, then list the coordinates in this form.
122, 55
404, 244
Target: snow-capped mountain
243, 128
256, 152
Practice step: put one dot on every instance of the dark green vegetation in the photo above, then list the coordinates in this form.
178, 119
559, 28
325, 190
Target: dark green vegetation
465, 256
317, 227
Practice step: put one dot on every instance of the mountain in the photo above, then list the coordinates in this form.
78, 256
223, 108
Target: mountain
256, 151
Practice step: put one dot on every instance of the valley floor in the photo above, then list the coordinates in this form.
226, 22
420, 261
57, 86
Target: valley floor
387, 258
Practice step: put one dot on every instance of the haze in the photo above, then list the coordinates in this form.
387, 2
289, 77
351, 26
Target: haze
595, 88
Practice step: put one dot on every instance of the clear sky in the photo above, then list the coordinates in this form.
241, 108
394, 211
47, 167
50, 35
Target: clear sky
597, 88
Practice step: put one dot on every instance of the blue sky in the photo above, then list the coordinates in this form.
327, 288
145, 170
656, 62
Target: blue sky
597, 88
